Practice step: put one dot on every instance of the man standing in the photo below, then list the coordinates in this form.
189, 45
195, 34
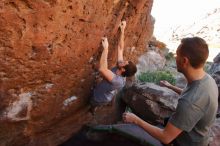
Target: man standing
198, 102
114, 79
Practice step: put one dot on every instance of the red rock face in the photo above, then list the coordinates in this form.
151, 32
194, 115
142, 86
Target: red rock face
48, 51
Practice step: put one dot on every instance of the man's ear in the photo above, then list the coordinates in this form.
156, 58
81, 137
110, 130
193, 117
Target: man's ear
185, 61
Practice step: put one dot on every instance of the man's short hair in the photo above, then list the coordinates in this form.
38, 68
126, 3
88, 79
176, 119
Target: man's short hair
196, 50
130, 69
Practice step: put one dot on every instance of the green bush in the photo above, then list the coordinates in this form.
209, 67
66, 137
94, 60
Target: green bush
156, 77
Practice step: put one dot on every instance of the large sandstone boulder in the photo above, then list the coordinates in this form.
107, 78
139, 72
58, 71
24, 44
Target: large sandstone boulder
150, 101
48, 51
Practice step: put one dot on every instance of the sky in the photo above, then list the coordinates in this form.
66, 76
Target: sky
170, 13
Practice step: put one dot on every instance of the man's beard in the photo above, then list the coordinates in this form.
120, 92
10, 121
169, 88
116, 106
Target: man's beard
178, 67
119, 67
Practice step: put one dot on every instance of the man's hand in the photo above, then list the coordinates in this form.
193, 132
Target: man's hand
165, 83
105, 42
130, 118
122, 25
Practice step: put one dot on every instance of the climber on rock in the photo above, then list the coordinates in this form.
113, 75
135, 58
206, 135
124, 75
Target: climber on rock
195, 113
113, 79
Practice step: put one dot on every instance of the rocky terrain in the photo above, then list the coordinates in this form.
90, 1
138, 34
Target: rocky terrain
48, 53
207, 27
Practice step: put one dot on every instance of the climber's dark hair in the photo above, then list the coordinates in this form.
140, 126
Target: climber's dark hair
130, 69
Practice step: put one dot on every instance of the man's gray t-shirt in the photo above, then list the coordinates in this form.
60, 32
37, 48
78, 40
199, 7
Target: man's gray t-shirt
104, 91
196, 111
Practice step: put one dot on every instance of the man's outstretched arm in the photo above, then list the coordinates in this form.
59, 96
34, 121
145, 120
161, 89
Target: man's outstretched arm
103, 69
170, 86
121, 41
166, 135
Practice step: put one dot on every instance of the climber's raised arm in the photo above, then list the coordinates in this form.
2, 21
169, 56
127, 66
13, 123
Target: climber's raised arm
103, 68
121, 41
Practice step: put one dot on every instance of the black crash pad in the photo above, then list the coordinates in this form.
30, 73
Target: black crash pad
130, 131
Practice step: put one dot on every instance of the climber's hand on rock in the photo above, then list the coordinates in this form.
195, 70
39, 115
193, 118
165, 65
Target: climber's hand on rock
130, 118
105, 42
165, 83
122, 25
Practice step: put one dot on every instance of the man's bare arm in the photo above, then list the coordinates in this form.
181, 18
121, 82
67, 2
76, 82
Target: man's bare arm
170, 86
121, 41
166, 135
103, 69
